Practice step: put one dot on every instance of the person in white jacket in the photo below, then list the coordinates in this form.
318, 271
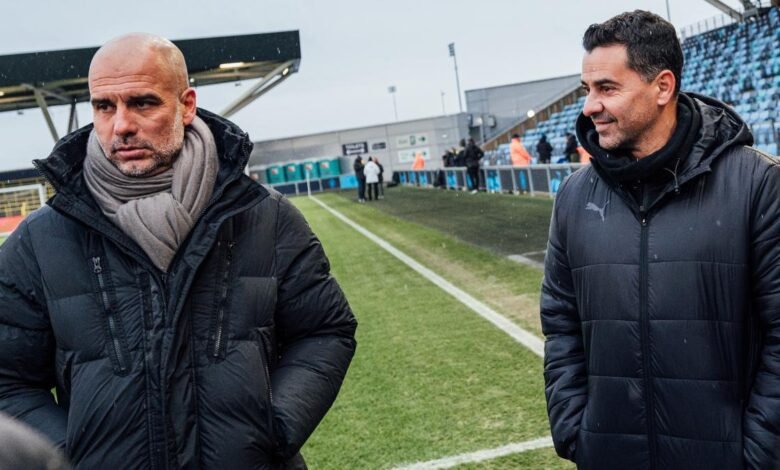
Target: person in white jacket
371, 171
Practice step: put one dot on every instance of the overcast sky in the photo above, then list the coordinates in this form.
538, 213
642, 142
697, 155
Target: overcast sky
352, 50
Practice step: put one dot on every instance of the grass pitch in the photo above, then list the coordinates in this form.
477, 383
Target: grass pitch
430, 378
505, 224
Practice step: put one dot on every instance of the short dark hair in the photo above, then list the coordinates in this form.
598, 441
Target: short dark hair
651, 43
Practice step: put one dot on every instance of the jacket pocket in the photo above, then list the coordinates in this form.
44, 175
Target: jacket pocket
219, 325
117, 343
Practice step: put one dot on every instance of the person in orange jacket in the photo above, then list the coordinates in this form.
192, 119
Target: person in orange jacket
419, 161
584, 155
520, 156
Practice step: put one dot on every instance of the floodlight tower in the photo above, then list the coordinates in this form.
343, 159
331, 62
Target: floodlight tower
457, 79
391, 89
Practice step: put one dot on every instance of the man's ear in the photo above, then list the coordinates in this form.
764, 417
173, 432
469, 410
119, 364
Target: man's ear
188, 99
666, 84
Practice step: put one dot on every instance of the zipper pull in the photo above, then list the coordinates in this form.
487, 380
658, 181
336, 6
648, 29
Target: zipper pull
644, 221
96, 268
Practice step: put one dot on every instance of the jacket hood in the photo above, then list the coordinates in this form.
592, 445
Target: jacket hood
721, 128
64, 165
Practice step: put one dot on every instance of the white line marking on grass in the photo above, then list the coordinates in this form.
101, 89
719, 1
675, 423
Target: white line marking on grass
520, 335
526, 261
480, 455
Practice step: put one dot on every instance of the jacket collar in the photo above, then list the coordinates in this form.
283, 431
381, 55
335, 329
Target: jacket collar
721, 128
64, 170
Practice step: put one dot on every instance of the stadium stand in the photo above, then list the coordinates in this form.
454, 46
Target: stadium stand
738, 63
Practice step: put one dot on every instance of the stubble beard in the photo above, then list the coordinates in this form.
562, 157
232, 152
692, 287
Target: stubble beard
163, 156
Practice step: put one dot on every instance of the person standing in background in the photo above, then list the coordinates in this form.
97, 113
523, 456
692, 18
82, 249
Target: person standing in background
473, 156
358, 167
572, 156
371, 172
381, 178
518, 152
544, 150
419, 161
460, 154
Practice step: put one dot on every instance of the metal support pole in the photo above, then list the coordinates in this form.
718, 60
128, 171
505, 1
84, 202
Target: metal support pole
73, 119
457, 77
45, 109
668, 12
262, 86
549, 181
514, 181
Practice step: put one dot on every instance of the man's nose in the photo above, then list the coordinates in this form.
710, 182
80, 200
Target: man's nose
592, 106
124, 122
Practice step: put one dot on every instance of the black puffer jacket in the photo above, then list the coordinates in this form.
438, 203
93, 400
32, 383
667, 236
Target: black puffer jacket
228, 361
663, 322
473, 154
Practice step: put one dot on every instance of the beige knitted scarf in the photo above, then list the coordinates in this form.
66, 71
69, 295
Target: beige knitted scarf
157, 211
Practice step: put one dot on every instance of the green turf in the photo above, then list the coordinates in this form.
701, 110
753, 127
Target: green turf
430, 378
508, 287
503, 223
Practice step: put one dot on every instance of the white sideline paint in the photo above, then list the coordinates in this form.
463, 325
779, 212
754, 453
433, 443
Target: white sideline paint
520, 335
526, 261
480, 455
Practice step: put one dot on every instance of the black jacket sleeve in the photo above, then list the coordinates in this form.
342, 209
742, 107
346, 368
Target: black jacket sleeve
27, 347
565, 374
761, 422
316, 332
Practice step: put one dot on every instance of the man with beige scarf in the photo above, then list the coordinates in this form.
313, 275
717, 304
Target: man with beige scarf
185, 314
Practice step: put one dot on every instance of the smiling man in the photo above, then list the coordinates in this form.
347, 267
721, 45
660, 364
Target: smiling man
185, 314
661, 296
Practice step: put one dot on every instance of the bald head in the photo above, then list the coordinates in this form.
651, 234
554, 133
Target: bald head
141, 102
127, 51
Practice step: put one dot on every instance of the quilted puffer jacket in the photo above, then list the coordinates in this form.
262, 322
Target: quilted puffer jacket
662, 322
228, 361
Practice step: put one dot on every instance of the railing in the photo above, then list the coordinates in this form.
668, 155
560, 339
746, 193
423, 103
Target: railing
314, 185
534, 179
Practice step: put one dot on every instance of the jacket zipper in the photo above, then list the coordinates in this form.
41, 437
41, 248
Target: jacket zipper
267, 354
645, 327
113, 327
270, 395
218, 337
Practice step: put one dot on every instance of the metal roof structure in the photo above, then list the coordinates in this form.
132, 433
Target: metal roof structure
51, 78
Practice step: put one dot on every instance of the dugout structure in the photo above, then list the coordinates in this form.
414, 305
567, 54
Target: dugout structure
52, 78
